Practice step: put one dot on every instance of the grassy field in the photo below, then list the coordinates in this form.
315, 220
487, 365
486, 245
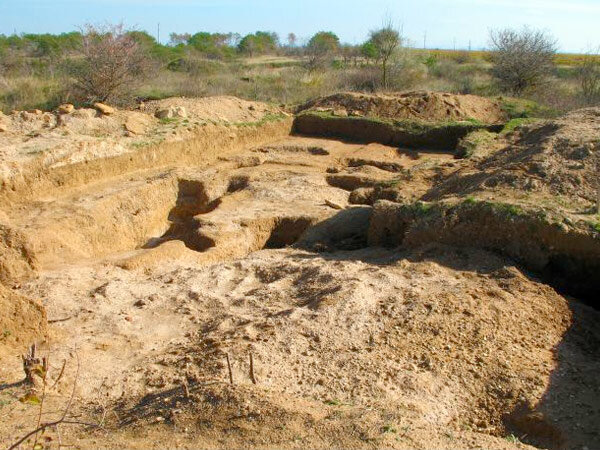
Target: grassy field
285, 79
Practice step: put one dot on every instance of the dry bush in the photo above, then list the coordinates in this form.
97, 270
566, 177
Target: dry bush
113, 62
588, 78
522, 59
406, 71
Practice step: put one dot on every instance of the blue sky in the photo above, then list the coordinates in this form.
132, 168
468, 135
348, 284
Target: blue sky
575, 23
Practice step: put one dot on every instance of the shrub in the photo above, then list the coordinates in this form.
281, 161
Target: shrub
113, 61
522, 58
588, 77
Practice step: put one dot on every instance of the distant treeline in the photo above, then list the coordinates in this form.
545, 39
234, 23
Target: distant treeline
223, 46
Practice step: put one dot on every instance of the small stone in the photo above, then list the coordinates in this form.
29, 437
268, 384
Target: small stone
104, 109
179, 111
37, 112
135, 125
164, 114
27, 117
340, 113
66, 108
140, 303
171, 112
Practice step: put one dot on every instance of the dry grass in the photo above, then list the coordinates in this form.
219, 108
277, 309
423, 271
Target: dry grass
286, 80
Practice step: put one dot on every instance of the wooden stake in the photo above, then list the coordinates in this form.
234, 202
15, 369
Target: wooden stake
229, 368
252, 377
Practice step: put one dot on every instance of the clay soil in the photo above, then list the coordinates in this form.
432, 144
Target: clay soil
232, 297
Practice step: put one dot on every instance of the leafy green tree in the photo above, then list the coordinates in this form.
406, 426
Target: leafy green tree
386, 41
259, 43
369, 51
321, 48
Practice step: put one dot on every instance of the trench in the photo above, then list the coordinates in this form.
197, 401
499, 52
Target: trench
568, 261
438, 136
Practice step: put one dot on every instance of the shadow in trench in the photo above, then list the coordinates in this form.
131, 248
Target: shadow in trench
191, 201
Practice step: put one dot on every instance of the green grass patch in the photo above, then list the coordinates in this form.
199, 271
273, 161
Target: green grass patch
389, 429
169, 120
512, 124
520, 108
508, 209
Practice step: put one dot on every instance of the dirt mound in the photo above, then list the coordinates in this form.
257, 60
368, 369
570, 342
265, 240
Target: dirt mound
553, 159
221, 108
420, 105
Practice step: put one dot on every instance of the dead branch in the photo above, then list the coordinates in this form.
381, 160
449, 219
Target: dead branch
63, 419
229, 369
252, 377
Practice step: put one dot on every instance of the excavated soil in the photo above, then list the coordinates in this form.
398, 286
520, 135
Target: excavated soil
246, 288
419, 105
555, 159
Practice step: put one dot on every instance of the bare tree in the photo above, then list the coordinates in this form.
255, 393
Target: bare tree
112, 62
522, 58
588, 76
386, 41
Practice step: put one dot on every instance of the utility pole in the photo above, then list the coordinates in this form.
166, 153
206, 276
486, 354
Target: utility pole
469, 44
158, 33
425, 40
454, 43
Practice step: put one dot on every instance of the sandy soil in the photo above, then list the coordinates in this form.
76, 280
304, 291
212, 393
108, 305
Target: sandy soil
153, 279
418, 105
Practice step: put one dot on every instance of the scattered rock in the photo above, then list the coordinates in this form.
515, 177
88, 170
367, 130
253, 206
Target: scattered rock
171, 112
37, 112
104, 109
135, 125
340, 113
66, 108
27, 117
